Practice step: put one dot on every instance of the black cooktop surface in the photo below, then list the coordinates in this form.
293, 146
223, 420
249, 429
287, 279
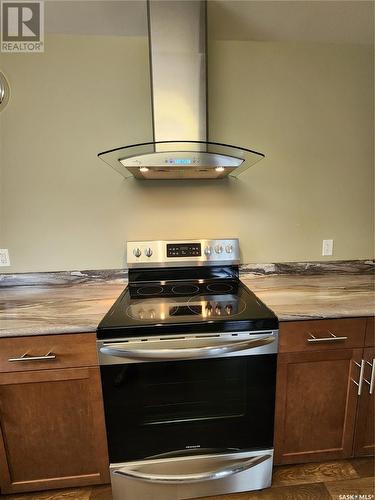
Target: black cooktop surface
180, 306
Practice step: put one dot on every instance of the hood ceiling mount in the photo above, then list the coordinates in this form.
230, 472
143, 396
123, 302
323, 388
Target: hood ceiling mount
178, 64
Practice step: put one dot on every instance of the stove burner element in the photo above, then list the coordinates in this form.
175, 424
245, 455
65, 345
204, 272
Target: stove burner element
185, 289
149, 290
219, 287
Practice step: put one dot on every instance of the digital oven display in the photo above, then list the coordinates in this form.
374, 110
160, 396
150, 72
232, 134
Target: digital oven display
184, 250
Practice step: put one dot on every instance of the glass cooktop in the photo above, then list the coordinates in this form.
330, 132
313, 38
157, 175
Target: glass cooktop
165, 307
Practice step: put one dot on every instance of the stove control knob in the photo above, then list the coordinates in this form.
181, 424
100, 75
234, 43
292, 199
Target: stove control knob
218, 309
229, 309
218, 249
148, 252
207, 251
229, 248
137, 252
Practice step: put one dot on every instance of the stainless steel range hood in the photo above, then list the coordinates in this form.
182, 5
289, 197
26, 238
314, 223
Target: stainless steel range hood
181, 149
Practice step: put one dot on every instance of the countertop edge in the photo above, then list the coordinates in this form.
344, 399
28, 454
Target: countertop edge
61, 330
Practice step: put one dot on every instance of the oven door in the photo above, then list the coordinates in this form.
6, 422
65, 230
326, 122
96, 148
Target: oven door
216, 398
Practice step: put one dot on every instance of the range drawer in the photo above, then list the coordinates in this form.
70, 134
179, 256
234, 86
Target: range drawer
50, 351
315, 335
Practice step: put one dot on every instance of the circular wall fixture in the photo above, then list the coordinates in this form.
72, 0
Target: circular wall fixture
4, 91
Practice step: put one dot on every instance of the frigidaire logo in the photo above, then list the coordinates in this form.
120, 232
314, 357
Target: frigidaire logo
22, 26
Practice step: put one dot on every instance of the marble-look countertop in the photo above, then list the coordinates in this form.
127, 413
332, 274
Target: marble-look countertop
296, 297
78, 307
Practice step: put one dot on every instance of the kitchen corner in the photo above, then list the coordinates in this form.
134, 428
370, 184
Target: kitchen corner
187, 273
325, 309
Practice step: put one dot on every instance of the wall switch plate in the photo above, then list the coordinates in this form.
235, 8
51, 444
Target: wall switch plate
327, 248
4, 257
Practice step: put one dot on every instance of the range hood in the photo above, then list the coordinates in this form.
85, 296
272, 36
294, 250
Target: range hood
180, 149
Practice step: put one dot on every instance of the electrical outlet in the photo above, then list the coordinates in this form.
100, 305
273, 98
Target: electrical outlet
327, 248
4, 257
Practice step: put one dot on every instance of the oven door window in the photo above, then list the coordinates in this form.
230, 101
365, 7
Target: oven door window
155, 408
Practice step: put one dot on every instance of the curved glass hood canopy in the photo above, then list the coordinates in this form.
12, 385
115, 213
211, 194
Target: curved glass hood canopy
180, 160
178, 66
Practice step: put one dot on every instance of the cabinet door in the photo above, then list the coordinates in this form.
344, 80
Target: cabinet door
370, 332
316, 402
52, 430
364, 443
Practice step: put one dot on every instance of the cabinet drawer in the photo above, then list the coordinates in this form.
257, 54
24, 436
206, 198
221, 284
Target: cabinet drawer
317, 335
370, 332
50, 351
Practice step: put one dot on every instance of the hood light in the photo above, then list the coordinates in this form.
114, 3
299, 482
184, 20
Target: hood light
143, 169
219, 169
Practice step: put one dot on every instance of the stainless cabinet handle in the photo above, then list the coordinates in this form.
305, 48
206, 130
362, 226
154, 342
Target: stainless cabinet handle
361, 372
332, 338
26, 357
187, 353
371, 383
233, 468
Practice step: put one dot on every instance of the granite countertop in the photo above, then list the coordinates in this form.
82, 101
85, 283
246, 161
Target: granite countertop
48, 309
77, 305
315, 297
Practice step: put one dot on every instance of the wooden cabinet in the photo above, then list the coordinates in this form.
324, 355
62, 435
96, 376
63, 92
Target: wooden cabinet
364, 443
319, 413
370, 332
44, 352
52, 421
315, 335
316, 406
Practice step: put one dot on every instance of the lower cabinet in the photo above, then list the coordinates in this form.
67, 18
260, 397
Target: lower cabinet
364, 443
316, 405
52, 428
52, 431
324, 409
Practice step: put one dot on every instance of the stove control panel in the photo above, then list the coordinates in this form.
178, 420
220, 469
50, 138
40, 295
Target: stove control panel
181, 253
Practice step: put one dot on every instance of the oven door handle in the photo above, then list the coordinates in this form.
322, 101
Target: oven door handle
233, 468
212, 350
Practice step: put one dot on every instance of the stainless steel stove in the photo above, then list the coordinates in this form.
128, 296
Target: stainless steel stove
188, 366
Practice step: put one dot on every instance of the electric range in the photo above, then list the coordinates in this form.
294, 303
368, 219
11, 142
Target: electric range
188, 367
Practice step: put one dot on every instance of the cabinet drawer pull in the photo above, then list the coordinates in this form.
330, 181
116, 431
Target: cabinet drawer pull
25, 357
332, 338
361, 372
371, 383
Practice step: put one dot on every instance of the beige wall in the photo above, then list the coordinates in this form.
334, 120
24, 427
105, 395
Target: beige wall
307, 107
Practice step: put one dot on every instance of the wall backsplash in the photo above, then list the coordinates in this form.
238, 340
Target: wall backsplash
308, 107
